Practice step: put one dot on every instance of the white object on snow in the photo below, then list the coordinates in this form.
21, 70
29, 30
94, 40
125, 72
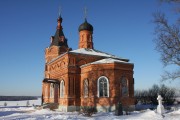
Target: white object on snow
160, 107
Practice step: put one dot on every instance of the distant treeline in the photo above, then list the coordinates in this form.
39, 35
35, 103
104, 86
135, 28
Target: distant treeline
17, 98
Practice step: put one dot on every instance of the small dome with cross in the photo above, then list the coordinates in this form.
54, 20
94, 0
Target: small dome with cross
85, 26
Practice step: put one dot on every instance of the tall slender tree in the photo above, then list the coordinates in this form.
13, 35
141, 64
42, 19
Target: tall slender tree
168, 41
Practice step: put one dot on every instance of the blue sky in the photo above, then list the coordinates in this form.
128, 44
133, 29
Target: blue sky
121, 27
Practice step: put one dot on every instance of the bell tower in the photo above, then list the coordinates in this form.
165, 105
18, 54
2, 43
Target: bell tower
58, 44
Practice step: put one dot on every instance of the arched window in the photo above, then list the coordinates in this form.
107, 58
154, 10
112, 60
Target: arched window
51, 90
62, 89
86, 88
103, 87
124, 86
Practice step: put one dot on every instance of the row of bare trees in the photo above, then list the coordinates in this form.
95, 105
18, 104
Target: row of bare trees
17, 98
27, 104
150, 96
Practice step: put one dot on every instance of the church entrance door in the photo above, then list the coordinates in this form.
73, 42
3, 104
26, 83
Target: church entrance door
56, 89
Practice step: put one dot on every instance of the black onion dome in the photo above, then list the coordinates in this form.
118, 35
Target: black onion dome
85, 26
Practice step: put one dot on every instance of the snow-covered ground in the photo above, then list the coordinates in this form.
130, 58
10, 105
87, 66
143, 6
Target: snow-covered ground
30, 113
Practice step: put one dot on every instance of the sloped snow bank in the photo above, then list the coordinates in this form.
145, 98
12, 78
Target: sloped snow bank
30, 113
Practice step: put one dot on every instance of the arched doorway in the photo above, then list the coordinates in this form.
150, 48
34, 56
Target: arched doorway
56, 90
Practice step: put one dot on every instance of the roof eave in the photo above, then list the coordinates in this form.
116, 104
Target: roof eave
48, 80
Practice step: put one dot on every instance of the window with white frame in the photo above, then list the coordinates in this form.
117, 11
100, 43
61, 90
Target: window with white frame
103, 87
51, 90
86, 88
62, 89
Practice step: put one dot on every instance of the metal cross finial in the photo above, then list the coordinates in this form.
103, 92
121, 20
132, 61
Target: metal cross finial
85, 13
59, 11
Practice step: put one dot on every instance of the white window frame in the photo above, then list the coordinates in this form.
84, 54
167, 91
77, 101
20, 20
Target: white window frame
62, 89
98, 90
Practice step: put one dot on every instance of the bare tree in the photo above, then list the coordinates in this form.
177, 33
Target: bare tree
168, 42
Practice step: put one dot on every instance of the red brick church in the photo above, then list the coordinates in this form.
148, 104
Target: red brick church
85, 76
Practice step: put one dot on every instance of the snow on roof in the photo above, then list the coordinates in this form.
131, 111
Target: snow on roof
107, 60
95, 52
89, 52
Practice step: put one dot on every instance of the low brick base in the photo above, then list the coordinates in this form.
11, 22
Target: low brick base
98, 108
113, 108
68, 108
105, 108
51, 106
